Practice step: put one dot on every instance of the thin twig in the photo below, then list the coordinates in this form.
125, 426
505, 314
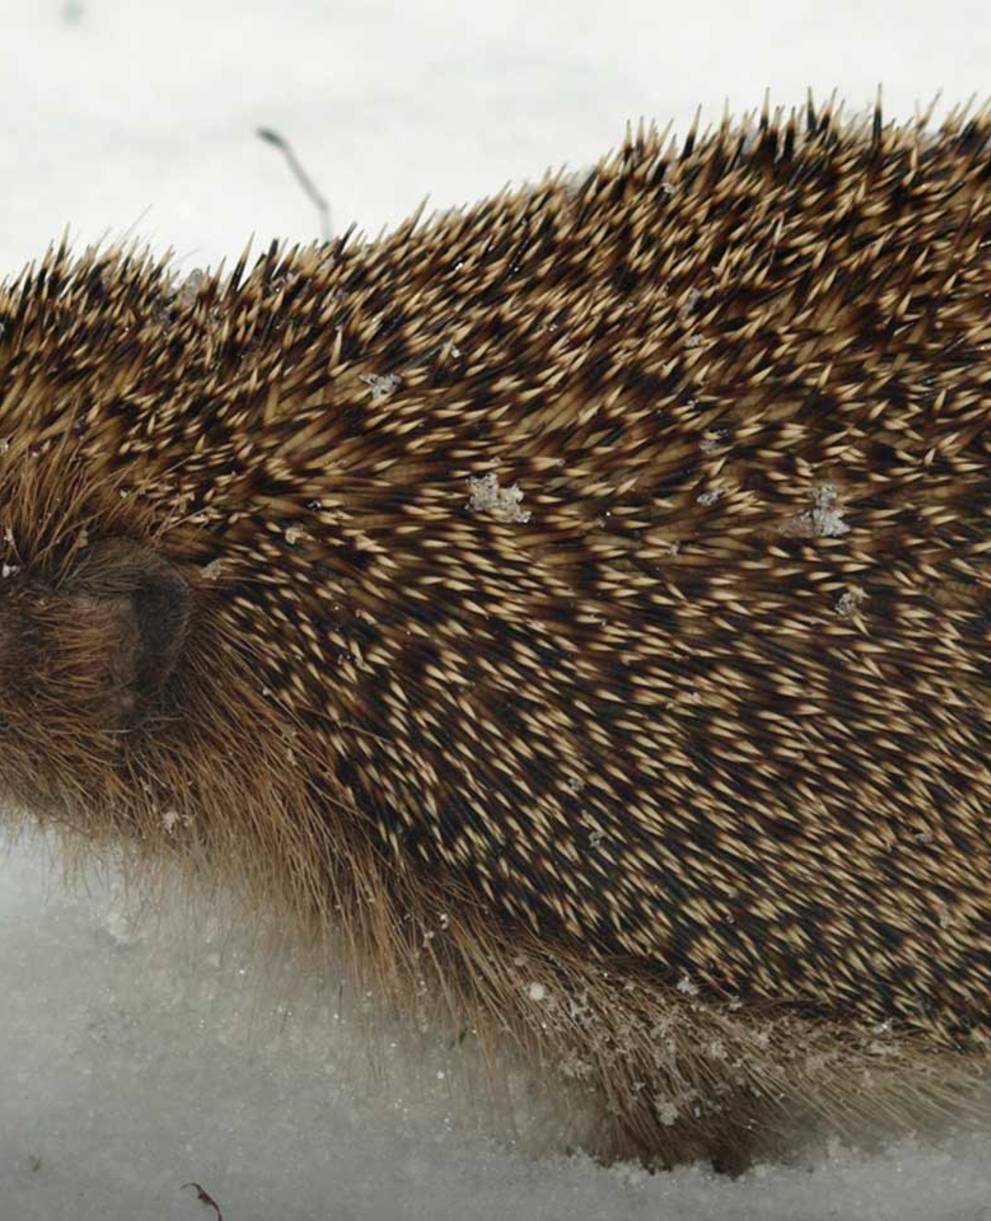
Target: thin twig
304, 180
204, 1197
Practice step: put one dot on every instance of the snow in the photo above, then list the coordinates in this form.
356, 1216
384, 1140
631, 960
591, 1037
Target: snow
502, 503
821, 520
135, 1058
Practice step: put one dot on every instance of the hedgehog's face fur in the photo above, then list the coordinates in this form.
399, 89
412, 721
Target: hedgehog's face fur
85, 656
112, 657
101, 641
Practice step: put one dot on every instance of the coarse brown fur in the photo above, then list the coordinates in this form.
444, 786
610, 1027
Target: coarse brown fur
579, 605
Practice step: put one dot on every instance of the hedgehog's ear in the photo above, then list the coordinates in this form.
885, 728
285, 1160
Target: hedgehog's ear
146, 598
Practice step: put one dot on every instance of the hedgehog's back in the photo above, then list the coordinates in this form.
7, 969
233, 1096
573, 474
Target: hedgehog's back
661, 581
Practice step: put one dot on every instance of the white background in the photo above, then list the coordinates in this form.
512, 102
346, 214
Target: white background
127, 1065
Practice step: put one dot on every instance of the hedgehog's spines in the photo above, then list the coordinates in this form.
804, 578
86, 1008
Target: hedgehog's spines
591, 579
810, 113
689, 144
878, 123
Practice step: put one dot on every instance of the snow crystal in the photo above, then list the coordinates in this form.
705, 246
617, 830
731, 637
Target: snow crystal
823, 520
688, 304
848, 601
213, 571
503, 503
382, 385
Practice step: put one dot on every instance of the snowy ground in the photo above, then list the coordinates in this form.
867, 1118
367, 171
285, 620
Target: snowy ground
129, 1066
134, 1063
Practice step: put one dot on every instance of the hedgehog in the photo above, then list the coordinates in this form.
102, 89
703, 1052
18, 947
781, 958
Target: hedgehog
575, 608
